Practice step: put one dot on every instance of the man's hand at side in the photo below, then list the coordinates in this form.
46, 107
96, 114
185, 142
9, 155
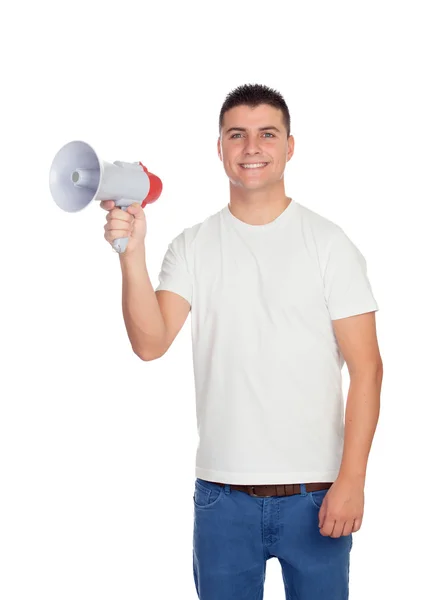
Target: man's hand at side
342, 509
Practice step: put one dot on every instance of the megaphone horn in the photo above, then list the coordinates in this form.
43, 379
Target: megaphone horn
77, 177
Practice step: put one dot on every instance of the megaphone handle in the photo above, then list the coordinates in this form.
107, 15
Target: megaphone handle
120, 244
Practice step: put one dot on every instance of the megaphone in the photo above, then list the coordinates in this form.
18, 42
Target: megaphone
77, 177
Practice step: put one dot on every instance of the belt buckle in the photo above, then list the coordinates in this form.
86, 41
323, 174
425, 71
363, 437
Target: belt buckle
252, 493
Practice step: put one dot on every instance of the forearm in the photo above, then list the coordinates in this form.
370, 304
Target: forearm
361, 418
142, 315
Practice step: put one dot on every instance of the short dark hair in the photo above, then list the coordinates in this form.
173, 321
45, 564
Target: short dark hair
252, 95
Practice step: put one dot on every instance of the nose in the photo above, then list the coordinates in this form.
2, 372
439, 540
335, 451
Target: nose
252, 146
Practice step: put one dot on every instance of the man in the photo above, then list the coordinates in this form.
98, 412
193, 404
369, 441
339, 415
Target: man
280, 299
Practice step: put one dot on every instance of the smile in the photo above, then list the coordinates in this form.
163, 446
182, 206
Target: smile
254, 165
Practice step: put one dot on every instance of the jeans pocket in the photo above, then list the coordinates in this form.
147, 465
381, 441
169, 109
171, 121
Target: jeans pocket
317, 497
206, 493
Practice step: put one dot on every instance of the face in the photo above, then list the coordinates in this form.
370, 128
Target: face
253, 146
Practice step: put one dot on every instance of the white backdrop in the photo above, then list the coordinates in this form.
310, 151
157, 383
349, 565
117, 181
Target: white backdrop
97, 448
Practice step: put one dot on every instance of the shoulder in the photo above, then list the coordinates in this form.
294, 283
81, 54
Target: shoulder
319, 225
328, 241
195, 236
320, 232
189, 235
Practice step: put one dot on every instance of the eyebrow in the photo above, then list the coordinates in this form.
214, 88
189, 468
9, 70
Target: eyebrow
260, 129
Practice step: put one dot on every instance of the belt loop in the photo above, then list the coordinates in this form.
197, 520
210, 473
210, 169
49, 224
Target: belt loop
227, 488
303, 490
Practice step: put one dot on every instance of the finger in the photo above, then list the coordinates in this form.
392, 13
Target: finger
135, 209
119, 216
118, 226
322, 515
327, 528
338, 529
348, 527
107, 204
110, 236
357, 525
119, 213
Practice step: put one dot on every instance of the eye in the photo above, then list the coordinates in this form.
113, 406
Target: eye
266, 133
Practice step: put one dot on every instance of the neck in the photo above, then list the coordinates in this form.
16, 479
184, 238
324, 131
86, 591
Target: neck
258, 207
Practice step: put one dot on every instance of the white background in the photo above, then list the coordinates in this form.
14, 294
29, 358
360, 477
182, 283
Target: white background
96, 447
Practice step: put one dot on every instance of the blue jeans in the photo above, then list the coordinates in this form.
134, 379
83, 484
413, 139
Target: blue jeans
235, 534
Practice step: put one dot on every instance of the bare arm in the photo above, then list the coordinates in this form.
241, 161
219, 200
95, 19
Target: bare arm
357, 339
152, 320
343, 507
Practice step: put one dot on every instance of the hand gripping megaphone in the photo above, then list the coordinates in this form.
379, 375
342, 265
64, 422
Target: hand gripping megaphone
77, 177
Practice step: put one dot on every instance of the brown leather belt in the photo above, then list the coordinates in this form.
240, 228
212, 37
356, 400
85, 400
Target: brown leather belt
286, 489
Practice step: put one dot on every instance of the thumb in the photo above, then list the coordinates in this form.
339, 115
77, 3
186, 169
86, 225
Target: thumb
135, 209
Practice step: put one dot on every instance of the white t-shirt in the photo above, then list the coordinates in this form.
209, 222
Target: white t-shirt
267, 366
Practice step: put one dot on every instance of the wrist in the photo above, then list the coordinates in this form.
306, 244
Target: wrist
133, 255
352, 477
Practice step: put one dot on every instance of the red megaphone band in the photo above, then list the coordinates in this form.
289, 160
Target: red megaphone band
155, 189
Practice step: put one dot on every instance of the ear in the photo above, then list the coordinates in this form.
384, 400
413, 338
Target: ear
219, 149
291, 147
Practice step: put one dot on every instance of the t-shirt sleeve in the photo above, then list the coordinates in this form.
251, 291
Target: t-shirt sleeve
346, 285
175, 275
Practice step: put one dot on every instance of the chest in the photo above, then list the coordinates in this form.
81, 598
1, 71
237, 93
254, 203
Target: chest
245, 275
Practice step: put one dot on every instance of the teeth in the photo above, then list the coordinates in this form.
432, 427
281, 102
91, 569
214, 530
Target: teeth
254, 165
